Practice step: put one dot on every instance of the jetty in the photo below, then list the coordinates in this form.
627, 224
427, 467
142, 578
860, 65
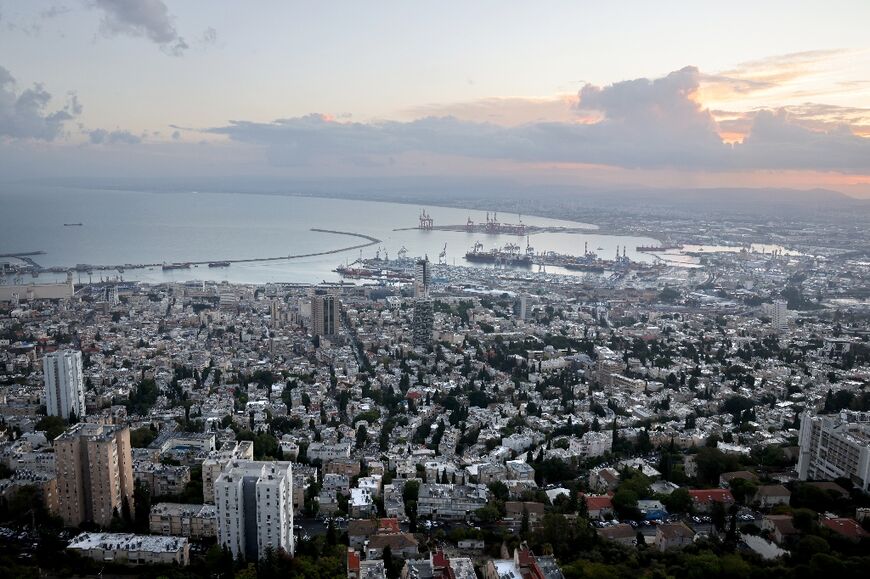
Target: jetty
367, 241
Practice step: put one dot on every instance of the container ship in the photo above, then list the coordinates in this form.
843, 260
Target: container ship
364, 272
170, 266
508, 255
218, 264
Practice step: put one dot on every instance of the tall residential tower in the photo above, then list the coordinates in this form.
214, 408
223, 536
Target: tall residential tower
94, 473
254, 501
64, 384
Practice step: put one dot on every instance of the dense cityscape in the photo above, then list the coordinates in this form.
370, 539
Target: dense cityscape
444, 421
434, 290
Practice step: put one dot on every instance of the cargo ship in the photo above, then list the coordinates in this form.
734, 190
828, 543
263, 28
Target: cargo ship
72, 224
169, 266
508, 255
218, 264
663, 247
364, 272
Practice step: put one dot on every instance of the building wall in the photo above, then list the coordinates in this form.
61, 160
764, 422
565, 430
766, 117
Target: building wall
64, 384
94, 472
254, 503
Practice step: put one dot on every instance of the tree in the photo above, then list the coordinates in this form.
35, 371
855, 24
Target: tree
524, 524
625, 503
499, 490
53, 426
141, 505
362, 436
679, 501
717, 514
390, 569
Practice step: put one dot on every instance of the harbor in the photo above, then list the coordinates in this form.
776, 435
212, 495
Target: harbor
35, 269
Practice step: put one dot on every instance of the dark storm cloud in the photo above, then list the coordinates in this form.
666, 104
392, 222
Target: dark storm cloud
23, 115
148, 18
644, 123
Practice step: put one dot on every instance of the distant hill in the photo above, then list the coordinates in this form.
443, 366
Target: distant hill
508, 195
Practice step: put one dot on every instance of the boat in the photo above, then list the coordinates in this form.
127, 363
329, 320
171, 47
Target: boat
218, 264
72, 224
169, 266
364, 272
509, 255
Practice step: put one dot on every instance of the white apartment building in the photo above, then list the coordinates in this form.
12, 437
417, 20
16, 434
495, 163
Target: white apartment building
217, 460
129, 549
778, 314
835, 446
254, 501
64, 384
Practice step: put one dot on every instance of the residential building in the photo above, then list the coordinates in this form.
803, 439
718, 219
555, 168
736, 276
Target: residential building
673, 536
423, 321
254, 502
771, 495
835, 446
94, 473
194, 521
130, 549
703, 499
422, 278
214, 465
64, 384
325, 308
448, 501
620, 533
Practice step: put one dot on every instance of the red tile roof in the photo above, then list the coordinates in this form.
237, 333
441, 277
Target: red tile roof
711, 496
596, 503
847, 527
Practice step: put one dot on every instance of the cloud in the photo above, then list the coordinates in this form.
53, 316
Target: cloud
23, 114
148, 18
209, 36
642, 124
54, 11
508, 111
101, 136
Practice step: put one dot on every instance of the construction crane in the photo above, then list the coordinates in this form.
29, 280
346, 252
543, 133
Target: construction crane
442, 257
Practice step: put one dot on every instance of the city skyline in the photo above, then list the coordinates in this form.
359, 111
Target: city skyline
667, 96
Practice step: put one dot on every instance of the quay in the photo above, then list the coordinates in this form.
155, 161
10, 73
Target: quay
368, 240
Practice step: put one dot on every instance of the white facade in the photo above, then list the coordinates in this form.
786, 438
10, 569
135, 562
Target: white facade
835, 446
64, 384
778, 313
422, 277
254, 501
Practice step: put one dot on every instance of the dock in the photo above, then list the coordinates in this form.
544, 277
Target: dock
368, 240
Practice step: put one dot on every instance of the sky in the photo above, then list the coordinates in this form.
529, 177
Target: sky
621, 94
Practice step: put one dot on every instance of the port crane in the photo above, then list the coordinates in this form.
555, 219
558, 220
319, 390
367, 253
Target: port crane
442, 257
403, 253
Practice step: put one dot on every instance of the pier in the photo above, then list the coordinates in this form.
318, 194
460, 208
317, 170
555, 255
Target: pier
526, 230
368, 240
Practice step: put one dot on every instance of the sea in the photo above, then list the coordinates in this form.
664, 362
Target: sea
134, 227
